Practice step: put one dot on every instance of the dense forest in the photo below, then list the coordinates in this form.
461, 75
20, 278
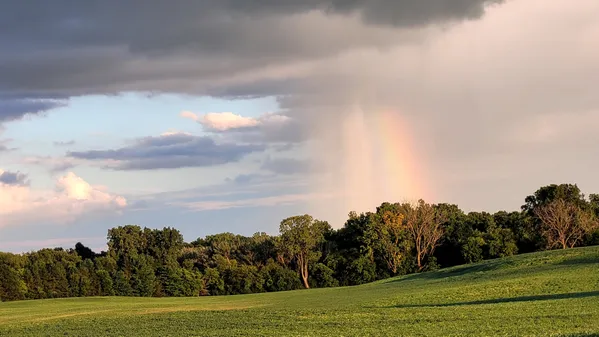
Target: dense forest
396, 239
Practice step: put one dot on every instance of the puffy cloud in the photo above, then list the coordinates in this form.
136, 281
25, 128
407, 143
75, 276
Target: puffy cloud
168, 151
266, 128
221, 121
72, 199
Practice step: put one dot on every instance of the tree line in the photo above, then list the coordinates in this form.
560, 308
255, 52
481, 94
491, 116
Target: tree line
395, 239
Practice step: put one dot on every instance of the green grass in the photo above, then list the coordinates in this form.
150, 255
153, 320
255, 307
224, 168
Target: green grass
543, 294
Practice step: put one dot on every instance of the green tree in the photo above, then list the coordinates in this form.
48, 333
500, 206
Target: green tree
105, 281
456, 231
163, 245
122, 287
500, 242
522, 226
84, 251
213, 282
279, 278
143, 277
322, 276
300, 237
546, 194
391, 236
12, 285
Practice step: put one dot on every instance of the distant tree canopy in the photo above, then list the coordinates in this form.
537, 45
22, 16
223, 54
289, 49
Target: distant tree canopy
395, 239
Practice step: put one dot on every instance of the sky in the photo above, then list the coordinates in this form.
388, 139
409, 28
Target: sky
228, 115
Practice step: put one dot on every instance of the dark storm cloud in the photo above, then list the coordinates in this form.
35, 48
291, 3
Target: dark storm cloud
13, 178
11, 109
170, 151
61, 49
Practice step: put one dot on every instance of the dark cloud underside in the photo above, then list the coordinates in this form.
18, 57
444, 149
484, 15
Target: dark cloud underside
168, 152
70, 48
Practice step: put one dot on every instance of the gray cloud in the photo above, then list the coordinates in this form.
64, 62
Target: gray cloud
11, 109
168, 152
511, 97
200, 47
491, 107
13, 178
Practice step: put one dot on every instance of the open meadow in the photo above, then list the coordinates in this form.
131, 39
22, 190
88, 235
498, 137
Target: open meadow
554, 293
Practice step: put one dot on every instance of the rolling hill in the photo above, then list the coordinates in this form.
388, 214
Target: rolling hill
553, 293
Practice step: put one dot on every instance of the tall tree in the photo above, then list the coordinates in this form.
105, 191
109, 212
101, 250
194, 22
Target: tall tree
12, 286
546, 194
392, 235
594, 202
423, 221
565, 224
164, 245
300, 236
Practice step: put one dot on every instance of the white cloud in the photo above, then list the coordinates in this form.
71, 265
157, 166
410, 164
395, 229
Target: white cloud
270, 127
72, 198
223, 121
227, 120
190, 115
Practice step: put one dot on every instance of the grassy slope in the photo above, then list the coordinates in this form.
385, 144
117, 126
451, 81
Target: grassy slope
543, 294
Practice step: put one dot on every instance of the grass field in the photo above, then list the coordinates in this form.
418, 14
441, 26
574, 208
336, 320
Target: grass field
543, 294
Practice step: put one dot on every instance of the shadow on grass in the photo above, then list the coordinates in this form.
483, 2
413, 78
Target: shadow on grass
579, 260
505, 300
541, 263
463, 270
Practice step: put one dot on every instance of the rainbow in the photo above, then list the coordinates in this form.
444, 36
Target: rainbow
369, 159
398, 164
